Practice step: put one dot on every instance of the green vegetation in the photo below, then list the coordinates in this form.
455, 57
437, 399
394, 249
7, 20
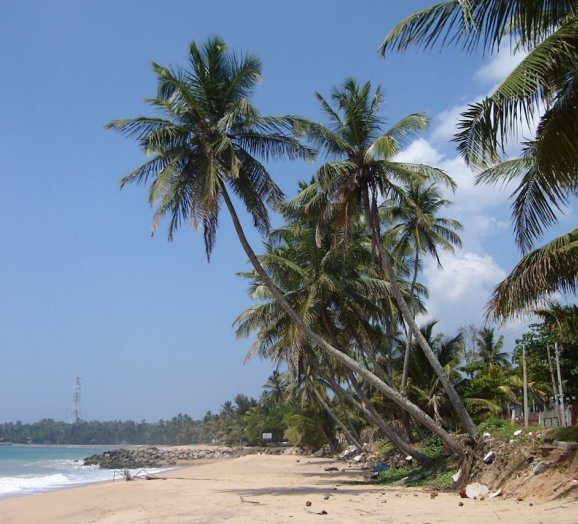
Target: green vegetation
437, 475
569, 434
337, 287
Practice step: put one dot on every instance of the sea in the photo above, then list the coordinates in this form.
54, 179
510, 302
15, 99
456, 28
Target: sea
33, 469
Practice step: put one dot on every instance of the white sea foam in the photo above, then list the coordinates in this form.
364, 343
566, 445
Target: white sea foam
75, 474
23, 485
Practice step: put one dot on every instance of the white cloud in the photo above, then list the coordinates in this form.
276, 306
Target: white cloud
459, 293
487, 223
445, 126
500, 65
468, 198
420, 151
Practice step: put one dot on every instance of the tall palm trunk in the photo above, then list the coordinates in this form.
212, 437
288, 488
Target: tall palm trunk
337, 420
371, 414
400, 442
405, 370
372, 218
341, 357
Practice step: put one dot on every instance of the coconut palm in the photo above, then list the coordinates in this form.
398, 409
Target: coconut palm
562, 320
533, 279
418, 225
205, 145
331, 290
275, 388
424, 387
361, 170
546, 29
490, 349
228, 410
544, 86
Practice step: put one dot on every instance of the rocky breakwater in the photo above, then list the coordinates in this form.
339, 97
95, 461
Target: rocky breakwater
153, 457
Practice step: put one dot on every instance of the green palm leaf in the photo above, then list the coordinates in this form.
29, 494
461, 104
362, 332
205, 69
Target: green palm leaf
550, 268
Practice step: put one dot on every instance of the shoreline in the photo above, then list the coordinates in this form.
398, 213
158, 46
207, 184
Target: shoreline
30, 469
265, 489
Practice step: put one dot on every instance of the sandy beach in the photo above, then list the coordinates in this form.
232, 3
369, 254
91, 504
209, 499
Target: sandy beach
268, 489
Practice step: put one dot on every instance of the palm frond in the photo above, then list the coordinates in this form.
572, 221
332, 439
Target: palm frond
550, 269
537, 197
474, 23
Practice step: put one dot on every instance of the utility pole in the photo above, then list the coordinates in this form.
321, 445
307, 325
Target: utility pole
560, 389
525, 385
553, 378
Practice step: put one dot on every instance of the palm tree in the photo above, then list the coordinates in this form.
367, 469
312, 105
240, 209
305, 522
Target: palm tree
364, 170
546, 29
418, 226
534, 278
228, 410
332, 292
206, 145
490, 350
275, 388
424, 387
546, 78
561, 320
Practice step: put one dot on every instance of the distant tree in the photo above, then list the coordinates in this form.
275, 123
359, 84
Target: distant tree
490, 349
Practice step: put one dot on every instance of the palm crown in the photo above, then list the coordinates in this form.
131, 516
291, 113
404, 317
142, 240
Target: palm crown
208, 138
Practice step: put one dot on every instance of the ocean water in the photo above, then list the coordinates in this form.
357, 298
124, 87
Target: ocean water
33, 469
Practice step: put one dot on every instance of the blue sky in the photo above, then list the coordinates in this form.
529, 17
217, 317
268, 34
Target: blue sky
146, 324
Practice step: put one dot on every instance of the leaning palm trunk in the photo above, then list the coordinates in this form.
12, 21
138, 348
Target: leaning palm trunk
350, 437
371, 414
387, 267
338, 355
405, 370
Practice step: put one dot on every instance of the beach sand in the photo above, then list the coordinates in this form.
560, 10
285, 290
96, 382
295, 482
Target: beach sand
269, 489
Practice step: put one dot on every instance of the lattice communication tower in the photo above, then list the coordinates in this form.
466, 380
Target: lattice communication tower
76, 401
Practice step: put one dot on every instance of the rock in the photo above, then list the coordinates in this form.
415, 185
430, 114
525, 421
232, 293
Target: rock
433, 495
565, 445
486, 435
358, 458
517, 433
460, 503
457, 477
475, 489
538, 467
308, 503
489, 457
347, 453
